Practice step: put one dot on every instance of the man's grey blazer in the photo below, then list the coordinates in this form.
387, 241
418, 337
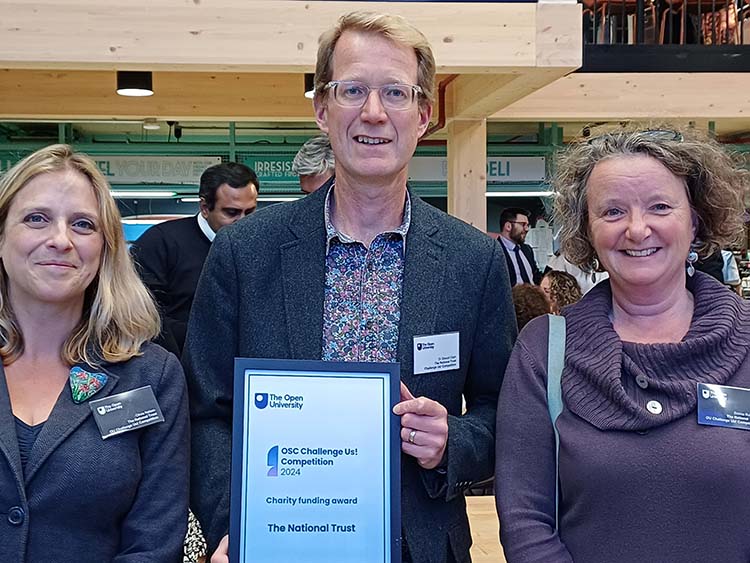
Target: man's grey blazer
261, 295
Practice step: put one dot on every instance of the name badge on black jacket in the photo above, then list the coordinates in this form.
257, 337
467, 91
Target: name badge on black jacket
126, 411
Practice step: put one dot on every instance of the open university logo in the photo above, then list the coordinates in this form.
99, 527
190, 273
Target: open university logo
261, 400
706, 393
101, 410
419, 345
273, 462
278, 400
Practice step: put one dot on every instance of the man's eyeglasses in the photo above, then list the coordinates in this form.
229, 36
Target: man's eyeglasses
525, 226
354, 94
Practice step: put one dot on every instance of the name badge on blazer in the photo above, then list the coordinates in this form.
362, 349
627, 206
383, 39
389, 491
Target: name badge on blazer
126, 411
719, 405
435, 352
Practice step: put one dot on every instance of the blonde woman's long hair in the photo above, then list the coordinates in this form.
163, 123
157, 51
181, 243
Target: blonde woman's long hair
119, 314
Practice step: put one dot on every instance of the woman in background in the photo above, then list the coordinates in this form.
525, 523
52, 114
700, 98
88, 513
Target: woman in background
93, 418
561, 288
529, 303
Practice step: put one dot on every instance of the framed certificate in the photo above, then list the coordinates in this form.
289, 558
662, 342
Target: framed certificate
315, 462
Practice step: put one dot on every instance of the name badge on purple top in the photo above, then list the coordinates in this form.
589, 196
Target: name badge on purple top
719, 405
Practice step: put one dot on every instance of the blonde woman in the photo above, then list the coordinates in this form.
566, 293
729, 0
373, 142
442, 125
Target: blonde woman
93, 418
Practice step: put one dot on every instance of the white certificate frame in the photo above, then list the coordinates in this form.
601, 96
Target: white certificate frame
343, 396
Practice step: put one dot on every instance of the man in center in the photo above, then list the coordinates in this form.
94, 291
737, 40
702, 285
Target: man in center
355, 272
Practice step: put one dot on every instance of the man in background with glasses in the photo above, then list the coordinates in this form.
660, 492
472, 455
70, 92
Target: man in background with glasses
514, 226
363, 270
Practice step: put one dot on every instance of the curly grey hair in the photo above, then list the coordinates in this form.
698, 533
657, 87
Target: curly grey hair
715, 179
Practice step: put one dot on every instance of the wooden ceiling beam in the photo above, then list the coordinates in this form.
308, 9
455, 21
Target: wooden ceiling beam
57, 95
244, 59
613, 97
557, 52
246, 35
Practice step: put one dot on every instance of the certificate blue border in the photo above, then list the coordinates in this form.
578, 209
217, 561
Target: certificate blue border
390, 373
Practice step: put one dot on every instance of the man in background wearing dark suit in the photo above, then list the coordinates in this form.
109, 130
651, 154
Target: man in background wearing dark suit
170, 256
358, 271
522, 268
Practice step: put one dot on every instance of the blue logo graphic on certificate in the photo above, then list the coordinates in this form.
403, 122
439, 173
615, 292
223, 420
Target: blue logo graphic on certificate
273, 462
261, 400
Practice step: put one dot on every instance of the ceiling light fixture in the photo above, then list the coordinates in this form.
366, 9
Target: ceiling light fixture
150, 221
279, 199
309, 85
150, 124
519, 194
150, 194
134, 83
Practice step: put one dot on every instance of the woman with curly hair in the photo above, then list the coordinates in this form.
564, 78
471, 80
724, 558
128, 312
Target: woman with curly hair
561, 289
638, 463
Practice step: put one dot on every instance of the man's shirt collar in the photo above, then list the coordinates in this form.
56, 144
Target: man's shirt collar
206, 228
509, 244
333, 233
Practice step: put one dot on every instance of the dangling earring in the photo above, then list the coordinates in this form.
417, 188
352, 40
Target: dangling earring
692, 258
594, 268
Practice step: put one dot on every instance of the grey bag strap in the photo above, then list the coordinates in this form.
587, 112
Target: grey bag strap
555, 363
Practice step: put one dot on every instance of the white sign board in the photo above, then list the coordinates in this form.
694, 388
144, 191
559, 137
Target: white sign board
500, 169
154, 169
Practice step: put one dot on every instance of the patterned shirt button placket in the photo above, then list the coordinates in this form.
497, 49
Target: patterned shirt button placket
366, 304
